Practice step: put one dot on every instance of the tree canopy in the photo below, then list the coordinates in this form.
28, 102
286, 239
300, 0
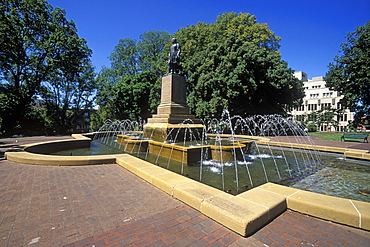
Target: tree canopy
132, 57
128, 97
349, 74
234, 63
130, 88
41, 56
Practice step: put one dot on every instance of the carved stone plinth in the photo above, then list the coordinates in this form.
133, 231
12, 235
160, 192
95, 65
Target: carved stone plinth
172, 112
173, 132
173, 108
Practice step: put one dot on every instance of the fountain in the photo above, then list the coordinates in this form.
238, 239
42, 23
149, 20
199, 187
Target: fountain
198, 153
233, 154
182, 142
174, 135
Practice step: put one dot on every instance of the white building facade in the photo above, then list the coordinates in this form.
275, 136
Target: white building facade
318, 96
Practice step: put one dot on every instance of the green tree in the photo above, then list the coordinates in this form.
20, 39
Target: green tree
349, 74
40, 54
152, 53
132, 57
124, 58
130, 88
106, 79
66, 100
130, 97
323, 117
234, 63
133, 95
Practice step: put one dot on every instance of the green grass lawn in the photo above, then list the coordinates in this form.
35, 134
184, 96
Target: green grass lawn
327, 135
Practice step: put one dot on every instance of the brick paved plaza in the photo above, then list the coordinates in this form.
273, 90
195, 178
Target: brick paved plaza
105, 205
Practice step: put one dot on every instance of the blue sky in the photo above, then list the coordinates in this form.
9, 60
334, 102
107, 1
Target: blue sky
311, 30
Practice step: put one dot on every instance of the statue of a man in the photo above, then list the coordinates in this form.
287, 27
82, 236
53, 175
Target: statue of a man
174, 59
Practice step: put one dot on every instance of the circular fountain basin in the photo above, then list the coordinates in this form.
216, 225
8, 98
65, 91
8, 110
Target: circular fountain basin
39, 153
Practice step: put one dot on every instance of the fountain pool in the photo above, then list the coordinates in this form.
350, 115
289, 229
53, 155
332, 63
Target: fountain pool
336, 176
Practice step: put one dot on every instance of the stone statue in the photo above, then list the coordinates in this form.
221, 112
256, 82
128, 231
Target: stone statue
174, 60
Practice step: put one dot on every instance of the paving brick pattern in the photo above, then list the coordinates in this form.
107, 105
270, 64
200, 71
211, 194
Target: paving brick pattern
184, 226
105, 205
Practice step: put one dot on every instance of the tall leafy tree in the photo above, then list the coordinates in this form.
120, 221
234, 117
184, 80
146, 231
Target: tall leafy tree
129, 97
130, 88
124, 58
152, 53
234, 63
67, 100
349, 74
106, 110
132, 57
40, 55
132, 96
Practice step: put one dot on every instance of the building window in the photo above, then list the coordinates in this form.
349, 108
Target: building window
300, 108
323, 105
312, 107
315, 95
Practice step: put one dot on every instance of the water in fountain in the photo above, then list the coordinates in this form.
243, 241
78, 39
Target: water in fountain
264, 163
226, 157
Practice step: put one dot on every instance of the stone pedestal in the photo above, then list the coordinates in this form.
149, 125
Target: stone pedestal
173, 108
172, 112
